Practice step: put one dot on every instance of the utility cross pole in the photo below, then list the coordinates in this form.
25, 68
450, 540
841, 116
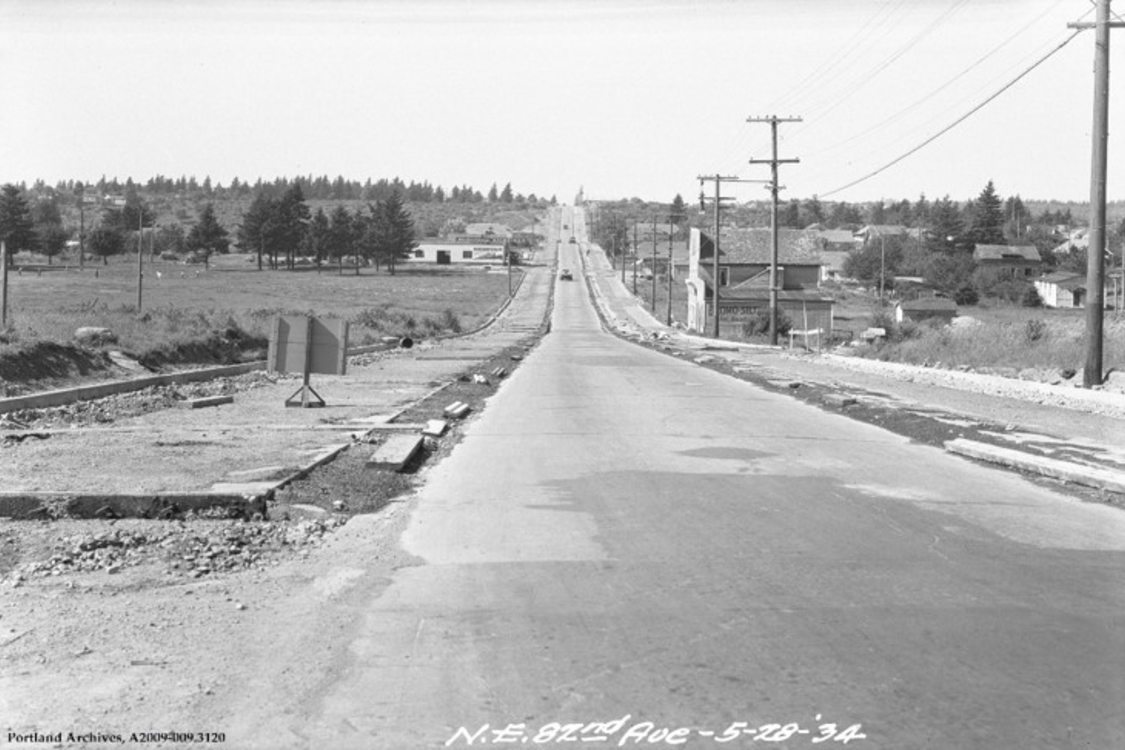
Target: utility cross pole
719, 180
1095, 256
774, 162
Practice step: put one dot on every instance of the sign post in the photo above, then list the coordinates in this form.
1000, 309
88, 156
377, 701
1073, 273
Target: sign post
306, 344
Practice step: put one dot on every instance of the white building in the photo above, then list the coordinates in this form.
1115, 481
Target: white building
444, 252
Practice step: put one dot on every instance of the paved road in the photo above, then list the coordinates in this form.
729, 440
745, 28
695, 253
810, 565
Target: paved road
623, 533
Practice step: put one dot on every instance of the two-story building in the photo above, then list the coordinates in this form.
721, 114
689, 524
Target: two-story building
743, 280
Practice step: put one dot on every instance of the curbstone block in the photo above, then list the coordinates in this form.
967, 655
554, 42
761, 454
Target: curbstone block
395, 453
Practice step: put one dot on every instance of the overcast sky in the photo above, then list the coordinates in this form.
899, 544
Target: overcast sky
626, 98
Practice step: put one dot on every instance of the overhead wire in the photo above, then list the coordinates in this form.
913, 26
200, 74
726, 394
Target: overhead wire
834, 61
870, 75
918, 102
958, 121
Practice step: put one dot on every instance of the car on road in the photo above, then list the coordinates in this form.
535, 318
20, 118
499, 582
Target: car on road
566, 275
572, 240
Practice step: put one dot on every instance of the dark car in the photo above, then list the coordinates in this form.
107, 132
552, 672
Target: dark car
566, 275
572, 240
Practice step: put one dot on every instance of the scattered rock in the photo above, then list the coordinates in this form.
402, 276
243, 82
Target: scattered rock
94, 336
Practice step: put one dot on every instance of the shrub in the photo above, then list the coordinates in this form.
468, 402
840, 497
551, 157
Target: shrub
966, 295
758, 324
1031, 298
1034, 330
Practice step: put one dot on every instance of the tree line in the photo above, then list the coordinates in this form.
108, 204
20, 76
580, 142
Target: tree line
313, 188
279, 230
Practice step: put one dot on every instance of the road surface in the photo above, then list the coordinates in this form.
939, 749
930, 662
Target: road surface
623, 534
626, 549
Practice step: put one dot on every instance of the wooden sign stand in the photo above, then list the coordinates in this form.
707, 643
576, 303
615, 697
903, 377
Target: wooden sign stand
305, 344
305, 390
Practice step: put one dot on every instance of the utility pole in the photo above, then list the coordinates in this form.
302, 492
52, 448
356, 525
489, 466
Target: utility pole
671, 230
653, 305
773, 161
882, 268
719, 180
1095, 256
81, 190
140, 248
634, 257
3, 284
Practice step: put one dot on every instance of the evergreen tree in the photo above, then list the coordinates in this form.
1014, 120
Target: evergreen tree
17, 228
340, 239
493, 194
678, 213
258, 231
945, 226
392, 235
292, 215
986, 225
506, 193
207, 236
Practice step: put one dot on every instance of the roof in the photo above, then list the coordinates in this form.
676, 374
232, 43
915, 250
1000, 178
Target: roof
929, 304
881, 230
755, 246
679, 252
836, 236
834, 260
1064, 279
1006, 252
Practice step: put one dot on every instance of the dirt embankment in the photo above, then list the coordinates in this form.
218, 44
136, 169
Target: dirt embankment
45, 365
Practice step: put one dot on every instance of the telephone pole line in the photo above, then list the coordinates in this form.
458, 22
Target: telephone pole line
1095, 256
774, 162
719, 180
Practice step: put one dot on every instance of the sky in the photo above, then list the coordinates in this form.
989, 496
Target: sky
623, 98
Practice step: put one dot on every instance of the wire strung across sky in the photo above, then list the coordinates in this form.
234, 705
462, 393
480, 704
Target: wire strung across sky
956, 122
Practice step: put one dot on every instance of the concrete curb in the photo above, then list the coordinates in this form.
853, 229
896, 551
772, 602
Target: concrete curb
1088, 476
99, 390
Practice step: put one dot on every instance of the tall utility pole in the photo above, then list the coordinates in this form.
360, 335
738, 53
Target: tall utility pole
719, 180
653, 306
671, 230
140, 248
634, 257
773, 161
81, 190
3, 284
1095, 256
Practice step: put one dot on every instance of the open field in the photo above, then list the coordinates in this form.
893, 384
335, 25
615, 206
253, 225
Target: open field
989, 335
182, 305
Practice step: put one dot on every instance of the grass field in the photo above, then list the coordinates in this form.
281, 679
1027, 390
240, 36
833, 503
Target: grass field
181, 304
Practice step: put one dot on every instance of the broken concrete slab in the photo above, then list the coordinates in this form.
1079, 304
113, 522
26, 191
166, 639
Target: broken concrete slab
395, 453
435, 428
1087, 476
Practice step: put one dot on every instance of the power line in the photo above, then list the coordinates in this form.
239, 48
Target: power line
865, 78
939, 89
956, 122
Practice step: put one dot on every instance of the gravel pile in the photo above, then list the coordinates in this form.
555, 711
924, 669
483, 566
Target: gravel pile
192, 548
